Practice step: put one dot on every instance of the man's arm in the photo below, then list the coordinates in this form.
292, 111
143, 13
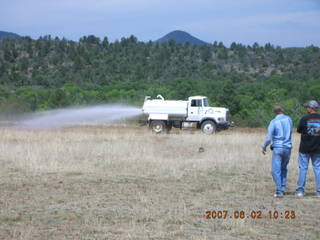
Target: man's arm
268, 138
300, 127
291, 124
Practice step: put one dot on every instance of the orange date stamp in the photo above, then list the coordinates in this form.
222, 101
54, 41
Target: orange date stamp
251, 214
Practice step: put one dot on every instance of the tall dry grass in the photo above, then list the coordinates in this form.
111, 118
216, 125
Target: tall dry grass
122, 182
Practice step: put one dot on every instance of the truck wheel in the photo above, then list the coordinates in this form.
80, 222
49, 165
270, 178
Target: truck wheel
208, 127
158, 126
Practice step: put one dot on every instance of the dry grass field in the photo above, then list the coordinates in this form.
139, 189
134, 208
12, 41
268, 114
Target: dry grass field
122, 182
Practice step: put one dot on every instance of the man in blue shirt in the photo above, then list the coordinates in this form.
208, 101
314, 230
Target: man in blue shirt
279, 134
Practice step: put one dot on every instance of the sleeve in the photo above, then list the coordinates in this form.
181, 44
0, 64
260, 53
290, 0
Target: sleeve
301, 124
268, 138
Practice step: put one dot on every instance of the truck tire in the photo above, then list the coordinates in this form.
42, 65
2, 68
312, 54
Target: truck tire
158, 127
208, 127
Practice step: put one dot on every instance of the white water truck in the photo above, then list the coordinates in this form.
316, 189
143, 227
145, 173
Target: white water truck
161, 115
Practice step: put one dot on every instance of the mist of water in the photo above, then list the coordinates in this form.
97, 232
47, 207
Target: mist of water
94, 115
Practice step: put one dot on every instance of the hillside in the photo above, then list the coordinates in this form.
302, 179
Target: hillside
50, 73
8, 34
181, 37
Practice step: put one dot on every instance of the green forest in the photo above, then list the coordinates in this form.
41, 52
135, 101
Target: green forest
49, 73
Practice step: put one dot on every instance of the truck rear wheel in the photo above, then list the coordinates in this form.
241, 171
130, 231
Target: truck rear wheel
158, 126
208, 127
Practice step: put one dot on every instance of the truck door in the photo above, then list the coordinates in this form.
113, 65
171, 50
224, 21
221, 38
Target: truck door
195, 110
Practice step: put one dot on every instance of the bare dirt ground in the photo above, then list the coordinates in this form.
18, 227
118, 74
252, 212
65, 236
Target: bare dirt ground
122, 182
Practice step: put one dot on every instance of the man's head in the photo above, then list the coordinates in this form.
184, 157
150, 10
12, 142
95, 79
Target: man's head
278, 109
312, 106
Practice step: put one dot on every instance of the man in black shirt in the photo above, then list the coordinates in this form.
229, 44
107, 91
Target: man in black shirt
309, 128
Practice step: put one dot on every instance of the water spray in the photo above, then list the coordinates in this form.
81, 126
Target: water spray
94, 115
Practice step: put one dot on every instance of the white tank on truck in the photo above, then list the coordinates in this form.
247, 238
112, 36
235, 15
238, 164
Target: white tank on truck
161, 106
161, 115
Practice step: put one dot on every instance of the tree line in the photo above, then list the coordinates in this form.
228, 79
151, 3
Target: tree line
51, 73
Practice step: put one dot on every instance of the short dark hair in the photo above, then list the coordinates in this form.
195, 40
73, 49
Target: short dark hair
278, 108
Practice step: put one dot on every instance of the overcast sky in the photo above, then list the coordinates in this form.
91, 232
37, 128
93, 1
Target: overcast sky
287, 23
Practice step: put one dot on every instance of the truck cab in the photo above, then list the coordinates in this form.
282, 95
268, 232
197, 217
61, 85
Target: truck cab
196, 107
200, 111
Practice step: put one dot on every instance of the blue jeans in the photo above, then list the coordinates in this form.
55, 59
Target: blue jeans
280, 160
303, 166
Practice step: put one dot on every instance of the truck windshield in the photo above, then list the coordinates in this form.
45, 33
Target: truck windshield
205, 102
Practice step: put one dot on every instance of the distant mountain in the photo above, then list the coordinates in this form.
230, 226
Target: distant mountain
8, 34
181, 37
